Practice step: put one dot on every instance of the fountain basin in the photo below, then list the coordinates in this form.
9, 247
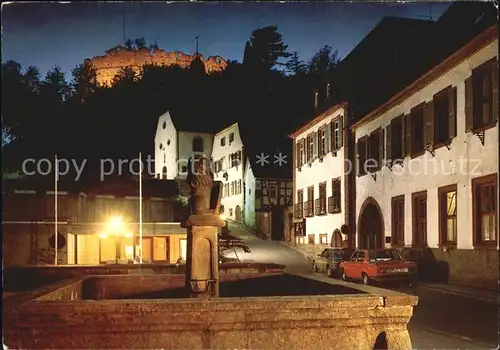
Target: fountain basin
252, 313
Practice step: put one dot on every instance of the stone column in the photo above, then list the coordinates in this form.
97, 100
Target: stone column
202, 260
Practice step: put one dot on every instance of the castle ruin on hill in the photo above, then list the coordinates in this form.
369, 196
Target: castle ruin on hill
109, 65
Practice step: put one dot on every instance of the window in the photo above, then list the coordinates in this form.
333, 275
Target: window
419, 206
481, 99
240, 190
273, 191
417, 131
485, 206
226, 190
309, 210
232, 189
310, 147
300, 152
322, 142
164, 173
164, 158
394, 139
223, 142
361, 155
161, 146
328, 91
164, 125
218, 166
320, 204
231, 137
334, 200
374, 152
316, 100
448, 215
184, 169
235, 158
444, 118
197, 144
310, 239
398, 221
299, 205
336, 133
323, 239
231, 212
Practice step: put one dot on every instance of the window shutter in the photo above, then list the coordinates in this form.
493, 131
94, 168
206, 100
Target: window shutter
469, 115
381, 155
297, 154
307, 149
341, 131
304, 154
315, 148
407, 134
429, 123
495, 89
328, 137
388, 142
452, 115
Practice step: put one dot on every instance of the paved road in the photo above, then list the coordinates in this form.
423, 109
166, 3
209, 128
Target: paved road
441, 320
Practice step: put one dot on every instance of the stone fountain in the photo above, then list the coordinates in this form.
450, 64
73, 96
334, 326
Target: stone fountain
203, 309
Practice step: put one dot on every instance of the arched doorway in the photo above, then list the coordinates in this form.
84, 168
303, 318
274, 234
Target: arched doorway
370, 226
336, 239
164, 173
237, 213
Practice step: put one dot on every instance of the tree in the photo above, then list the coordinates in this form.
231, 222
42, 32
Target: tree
295, 65
124, 75
84, 80
140, 43
129, 44
154, 46
324, 61
265, 48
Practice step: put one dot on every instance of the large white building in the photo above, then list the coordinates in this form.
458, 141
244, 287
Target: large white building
227, 155
176, 140
320, 178
431, 159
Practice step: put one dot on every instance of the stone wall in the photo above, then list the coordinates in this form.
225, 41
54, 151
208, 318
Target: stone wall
340, 321
109, 65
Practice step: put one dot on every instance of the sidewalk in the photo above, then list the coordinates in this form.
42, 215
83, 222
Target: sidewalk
472, 292
466, 291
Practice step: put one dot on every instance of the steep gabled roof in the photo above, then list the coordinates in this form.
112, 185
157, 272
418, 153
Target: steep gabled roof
186, 119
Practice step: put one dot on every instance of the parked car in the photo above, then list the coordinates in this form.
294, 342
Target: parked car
329, 261
380, 265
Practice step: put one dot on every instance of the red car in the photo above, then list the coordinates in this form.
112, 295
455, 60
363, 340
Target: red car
380, 265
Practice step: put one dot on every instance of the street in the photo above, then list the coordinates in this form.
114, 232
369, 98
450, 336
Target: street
440, 320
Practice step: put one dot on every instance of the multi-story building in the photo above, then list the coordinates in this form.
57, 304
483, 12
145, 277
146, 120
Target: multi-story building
321, 179
177, 139
427, 176
268, 190
227, 157
84, 217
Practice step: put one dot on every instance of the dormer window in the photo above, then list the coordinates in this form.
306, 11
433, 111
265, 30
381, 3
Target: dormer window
316, 100
328, 91
197, 144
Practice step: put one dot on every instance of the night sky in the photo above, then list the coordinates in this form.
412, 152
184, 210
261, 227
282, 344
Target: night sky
64, 34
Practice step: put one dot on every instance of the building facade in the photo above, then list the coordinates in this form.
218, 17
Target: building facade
427, 172
267, 200
227, 157
175, 144
83, 225
320, 179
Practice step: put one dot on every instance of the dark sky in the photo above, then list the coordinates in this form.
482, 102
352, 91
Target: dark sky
46, 34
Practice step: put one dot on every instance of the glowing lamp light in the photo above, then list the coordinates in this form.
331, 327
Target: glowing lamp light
103, 235
128, 235
115, 223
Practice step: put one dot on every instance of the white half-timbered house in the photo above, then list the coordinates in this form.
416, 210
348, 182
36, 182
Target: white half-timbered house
427, 177
268, 192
